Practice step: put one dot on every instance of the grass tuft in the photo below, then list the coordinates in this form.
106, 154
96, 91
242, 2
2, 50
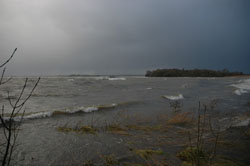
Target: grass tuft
146, 128
117, 129
181, 119
81, 130
147, 153
110, 160
191, 154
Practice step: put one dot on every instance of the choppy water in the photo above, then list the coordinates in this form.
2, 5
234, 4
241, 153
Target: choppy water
102, 98
87, 94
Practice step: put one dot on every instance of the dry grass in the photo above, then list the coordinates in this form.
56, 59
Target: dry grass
117, 129
110, 160
80, 130
181, 119
148, 157
145, 128
147, 153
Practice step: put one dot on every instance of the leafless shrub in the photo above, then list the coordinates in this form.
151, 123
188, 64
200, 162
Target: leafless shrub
9, 124
208, 125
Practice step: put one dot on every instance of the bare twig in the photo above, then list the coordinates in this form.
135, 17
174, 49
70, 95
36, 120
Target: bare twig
1, 79
9, 125
7, 61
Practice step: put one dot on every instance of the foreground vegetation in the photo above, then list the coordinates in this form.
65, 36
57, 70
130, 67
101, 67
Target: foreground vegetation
8, 126
191, 73
193, 138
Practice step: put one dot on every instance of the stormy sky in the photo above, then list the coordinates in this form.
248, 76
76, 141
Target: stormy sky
124, 36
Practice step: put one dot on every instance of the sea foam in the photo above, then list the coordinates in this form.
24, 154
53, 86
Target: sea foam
46, 114
242, 87
178, 97
116, 79
110, 78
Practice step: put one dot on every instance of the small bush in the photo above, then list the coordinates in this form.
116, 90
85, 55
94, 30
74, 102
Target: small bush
192, 155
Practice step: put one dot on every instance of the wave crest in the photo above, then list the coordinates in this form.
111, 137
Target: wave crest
111, 78
46, 114
178, 97
242, 87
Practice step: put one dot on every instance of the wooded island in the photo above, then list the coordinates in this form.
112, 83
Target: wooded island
191, 73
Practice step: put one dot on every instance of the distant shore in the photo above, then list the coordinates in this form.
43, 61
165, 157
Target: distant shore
193, 73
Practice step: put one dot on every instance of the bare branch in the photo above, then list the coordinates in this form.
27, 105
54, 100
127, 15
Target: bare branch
9, 99
2, 65
30, 94
2, 76
9, 125
2, 120
1, 80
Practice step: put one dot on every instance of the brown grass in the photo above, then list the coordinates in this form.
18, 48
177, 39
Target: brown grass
80, 130
145, 128
147, 153
181, 119
117, 129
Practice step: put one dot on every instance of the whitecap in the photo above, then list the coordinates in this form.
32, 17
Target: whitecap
102, 78
178, 97
116, 79
110, 78
89, 109
37, 115
46, 114
242, 87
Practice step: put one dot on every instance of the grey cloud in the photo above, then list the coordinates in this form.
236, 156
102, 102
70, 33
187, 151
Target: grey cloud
121, 37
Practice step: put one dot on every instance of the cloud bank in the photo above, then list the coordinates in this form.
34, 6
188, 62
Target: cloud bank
124, 36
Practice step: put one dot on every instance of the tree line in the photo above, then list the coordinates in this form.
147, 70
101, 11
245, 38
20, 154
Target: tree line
191, 73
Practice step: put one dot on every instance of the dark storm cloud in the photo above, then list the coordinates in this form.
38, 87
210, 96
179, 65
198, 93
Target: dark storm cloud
124, 36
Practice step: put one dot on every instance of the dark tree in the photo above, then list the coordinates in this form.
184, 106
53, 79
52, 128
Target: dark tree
191, 73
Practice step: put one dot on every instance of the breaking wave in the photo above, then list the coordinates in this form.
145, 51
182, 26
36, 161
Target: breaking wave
102, 78
178, 97
71, 79
46, 114
242, 87
67, 111
115, 79
110, 78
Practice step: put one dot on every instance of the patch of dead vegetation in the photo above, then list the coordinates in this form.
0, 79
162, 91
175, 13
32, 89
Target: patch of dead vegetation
145, 128
117, 129
127, 129
79, 130
147, 153
147, 157
181, 119
110, 160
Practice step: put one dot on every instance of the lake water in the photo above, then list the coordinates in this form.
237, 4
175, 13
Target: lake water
69, 101
87, 94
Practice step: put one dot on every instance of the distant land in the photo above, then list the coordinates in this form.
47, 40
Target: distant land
192, 73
